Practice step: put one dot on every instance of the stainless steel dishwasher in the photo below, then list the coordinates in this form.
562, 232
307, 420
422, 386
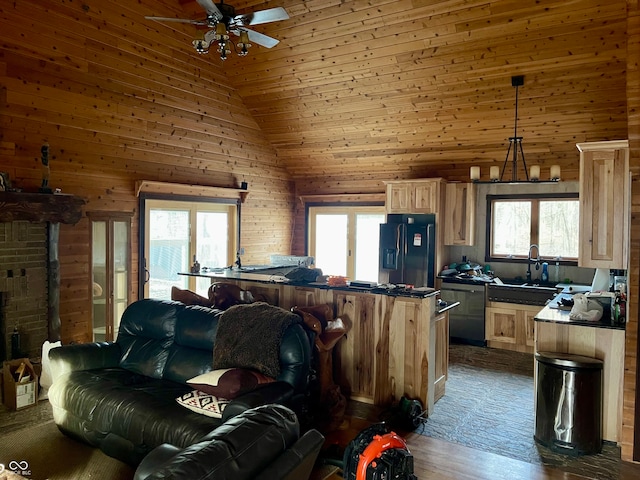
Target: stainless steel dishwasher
466, 321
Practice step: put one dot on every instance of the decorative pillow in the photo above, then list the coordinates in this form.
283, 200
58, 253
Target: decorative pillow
229, 382
203, 403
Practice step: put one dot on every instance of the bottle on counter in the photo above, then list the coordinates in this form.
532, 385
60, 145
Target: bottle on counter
195, 268
545, 273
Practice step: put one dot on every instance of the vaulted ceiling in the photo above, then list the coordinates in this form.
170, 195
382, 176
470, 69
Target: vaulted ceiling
365, 90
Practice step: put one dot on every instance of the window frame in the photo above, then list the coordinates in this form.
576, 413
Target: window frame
234, 228
535, 220
351, 209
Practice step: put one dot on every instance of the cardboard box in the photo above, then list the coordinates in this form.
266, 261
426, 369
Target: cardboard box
23, 393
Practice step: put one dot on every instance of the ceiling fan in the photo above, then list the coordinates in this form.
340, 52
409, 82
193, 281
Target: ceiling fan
222, 19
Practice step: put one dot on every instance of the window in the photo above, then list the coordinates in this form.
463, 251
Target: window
178, 232
344, 240
518, 221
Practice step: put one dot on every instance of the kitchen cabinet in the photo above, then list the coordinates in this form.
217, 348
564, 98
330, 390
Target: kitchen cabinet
395, 345
459, 217
604, 204
441, 354
415, 196
510, 326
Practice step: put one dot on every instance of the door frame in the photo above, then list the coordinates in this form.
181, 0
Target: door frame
142, 268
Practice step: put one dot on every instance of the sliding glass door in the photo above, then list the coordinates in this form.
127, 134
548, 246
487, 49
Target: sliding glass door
178, 233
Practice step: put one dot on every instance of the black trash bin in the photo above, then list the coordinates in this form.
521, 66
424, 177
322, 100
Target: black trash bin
569, 403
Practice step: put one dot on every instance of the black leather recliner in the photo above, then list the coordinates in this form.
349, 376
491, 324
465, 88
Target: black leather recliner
260, 444
121, 396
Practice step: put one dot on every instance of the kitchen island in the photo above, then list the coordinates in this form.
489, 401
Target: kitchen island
556, 332
397, 342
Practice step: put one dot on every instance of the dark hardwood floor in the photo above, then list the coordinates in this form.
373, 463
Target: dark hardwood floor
438, 459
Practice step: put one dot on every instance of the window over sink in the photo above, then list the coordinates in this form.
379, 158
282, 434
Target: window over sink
518, 221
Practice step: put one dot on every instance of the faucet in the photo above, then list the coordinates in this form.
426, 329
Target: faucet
531, 259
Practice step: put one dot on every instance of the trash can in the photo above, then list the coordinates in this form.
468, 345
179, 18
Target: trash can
569, 403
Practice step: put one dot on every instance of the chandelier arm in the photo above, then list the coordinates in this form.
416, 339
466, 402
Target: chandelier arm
524, 164
506, 159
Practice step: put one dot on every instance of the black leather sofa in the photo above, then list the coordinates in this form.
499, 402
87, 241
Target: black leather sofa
121, 396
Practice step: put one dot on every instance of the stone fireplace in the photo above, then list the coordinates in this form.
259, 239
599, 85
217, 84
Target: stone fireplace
23, 286
29, 268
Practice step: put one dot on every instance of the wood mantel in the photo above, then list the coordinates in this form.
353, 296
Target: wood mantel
40, 207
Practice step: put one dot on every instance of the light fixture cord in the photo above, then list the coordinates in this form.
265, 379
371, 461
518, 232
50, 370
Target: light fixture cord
514, 174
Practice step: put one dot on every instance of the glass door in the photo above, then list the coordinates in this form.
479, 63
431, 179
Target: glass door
178, 233
110, 265
345, 240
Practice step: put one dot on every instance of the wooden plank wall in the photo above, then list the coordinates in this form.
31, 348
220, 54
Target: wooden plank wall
118, 102
631, 413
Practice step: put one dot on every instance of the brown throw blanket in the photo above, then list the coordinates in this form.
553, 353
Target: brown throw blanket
248, 336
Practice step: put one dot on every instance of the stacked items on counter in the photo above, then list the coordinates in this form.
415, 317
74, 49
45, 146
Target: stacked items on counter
467, 270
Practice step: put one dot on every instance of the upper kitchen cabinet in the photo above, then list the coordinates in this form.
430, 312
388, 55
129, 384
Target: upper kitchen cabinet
604, 204
415, 196
459, 207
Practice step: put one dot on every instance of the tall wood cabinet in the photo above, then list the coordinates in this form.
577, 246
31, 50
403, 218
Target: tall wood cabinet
604, 204
459, 217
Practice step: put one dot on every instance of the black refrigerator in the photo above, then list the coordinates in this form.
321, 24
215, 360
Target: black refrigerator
407, 250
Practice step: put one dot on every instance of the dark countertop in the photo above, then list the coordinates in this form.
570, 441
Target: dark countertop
230, 274
554, 315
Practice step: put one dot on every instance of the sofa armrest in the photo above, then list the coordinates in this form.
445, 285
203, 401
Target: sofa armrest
297, 462
276, 392
237, 450
84, 356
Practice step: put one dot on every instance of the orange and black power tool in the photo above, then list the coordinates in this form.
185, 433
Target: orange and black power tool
378, 454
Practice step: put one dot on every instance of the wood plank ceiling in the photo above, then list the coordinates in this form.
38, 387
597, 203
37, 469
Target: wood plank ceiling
360, 91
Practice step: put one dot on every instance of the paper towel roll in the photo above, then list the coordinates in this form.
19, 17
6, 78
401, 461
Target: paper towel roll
600, 281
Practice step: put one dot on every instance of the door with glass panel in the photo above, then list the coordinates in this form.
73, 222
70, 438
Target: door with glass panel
345, 240
110, 272
179, 233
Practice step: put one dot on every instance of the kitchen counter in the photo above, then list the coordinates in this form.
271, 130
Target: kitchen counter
261, 277
554, 315
397, 343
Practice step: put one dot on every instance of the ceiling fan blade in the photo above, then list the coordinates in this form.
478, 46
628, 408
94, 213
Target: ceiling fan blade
261, 39
210, 8
179, 20
262, 16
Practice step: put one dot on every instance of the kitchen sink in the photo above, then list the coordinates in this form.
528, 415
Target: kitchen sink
524, 294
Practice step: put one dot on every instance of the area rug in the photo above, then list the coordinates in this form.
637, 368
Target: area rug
43, 453
489, 406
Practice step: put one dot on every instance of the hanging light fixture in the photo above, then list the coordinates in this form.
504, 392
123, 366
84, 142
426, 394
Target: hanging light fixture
515, 146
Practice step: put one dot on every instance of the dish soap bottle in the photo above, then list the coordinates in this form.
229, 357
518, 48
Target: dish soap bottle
545, 273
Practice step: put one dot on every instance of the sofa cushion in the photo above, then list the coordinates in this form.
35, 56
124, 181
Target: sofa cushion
146, 332
229, 382
137, 408
203, 403
191, 353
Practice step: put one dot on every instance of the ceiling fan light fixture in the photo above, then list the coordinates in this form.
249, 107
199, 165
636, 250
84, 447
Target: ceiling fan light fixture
221, 32
223, 21
243, 44
201, 46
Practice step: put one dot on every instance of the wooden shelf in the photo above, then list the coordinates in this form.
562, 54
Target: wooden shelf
149, 186
40, 207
